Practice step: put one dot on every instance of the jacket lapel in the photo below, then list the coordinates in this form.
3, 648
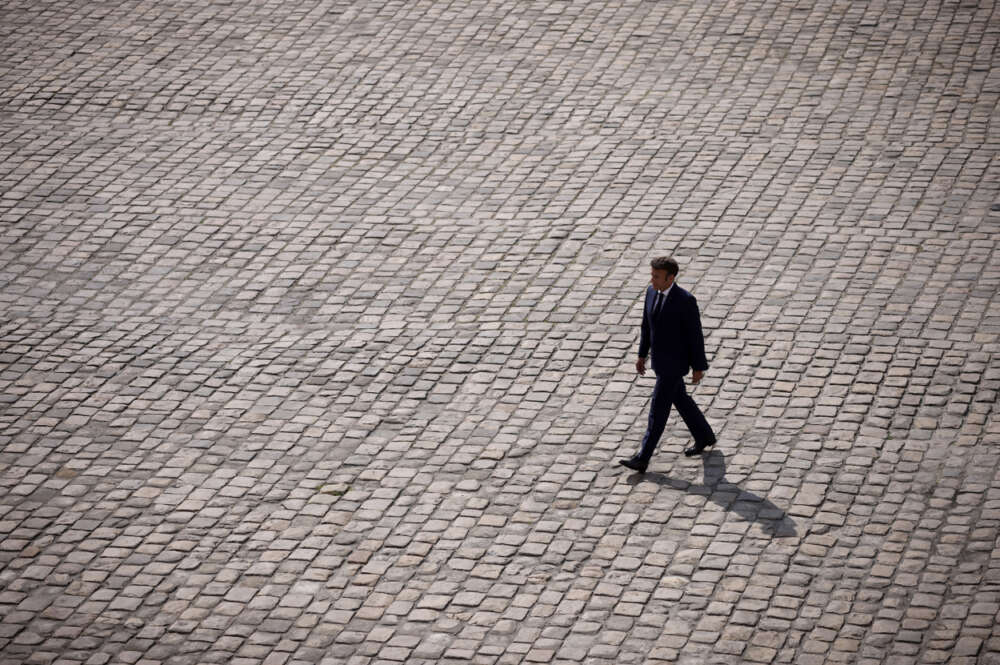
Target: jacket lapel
668, 303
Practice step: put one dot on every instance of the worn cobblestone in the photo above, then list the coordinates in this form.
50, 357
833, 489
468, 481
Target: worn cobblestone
317, 323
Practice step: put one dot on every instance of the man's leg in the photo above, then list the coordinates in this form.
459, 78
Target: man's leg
659, 411
693, 417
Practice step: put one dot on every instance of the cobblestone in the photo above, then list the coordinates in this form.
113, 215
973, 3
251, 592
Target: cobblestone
318, 323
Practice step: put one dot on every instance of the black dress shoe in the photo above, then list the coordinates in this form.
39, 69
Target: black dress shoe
698, 448
634, 464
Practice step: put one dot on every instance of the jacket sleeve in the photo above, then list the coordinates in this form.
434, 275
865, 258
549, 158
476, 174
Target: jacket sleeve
644, 338
696, 340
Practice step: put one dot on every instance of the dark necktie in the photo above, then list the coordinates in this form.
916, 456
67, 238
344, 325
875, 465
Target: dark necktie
658, 304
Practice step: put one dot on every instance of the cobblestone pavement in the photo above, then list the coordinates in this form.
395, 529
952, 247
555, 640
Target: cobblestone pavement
319, 321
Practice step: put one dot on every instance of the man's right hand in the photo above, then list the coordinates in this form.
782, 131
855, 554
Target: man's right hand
640, 366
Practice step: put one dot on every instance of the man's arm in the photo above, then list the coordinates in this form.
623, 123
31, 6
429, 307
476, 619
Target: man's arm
640, 364
696, 342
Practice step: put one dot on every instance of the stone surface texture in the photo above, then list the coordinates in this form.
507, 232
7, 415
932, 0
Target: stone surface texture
318, 323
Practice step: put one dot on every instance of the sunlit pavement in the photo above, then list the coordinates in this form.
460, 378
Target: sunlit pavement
318, 323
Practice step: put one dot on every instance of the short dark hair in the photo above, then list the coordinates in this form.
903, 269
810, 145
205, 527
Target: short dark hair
665, 263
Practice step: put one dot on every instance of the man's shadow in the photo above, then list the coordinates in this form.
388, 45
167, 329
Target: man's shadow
732, 497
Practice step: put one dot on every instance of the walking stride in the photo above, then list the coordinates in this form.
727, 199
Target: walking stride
671, 331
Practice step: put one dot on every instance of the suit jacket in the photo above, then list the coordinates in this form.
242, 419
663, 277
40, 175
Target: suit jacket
674, 335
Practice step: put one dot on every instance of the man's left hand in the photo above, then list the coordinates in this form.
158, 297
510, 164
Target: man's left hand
696, 376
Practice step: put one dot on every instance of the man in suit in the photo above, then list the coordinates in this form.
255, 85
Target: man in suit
671, 329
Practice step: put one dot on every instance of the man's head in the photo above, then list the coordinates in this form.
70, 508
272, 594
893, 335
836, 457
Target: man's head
664, 270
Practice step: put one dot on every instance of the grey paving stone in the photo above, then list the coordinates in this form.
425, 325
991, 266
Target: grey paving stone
317, 323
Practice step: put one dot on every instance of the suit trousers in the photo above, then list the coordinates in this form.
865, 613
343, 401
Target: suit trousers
670, 390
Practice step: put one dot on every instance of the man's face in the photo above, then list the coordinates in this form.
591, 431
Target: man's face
661, 280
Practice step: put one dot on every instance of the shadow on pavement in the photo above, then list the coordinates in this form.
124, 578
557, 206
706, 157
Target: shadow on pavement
732, 497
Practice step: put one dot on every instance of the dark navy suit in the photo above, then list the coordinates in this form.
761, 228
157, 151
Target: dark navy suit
674, 337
